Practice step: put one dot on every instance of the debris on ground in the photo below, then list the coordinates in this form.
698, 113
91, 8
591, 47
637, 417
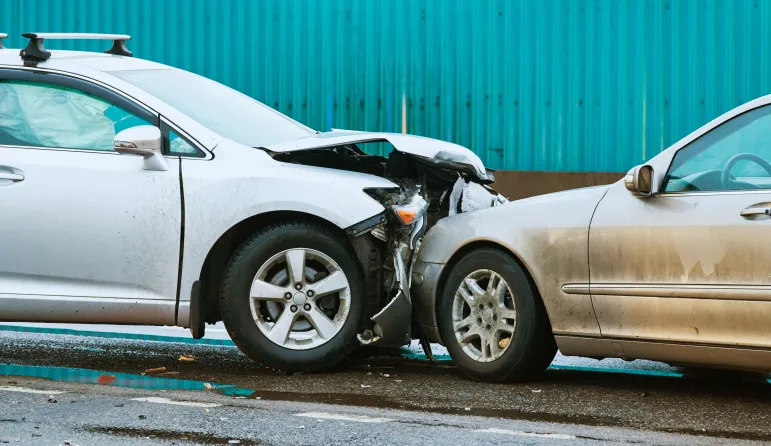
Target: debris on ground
208, 386
169, 373
51, 399
143, 417
364, 386
156, 370
105, 379
536, 390
187, 358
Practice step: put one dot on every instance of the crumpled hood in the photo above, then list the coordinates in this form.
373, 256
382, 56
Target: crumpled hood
440, 153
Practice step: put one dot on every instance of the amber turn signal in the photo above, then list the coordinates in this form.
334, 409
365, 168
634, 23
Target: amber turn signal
407, 216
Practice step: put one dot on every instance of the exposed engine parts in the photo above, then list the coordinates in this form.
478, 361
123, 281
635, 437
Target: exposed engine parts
429, 189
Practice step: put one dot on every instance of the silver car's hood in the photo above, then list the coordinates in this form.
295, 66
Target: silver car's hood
440, 153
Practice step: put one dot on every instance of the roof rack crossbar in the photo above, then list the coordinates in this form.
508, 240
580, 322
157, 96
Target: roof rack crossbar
2, 36
35, 52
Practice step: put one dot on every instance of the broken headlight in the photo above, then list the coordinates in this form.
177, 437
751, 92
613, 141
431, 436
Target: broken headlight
411, 212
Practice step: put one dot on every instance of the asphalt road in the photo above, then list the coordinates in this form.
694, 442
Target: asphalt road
372, 400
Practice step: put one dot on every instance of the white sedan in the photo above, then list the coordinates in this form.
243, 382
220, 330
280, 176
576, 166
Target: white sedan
137, 193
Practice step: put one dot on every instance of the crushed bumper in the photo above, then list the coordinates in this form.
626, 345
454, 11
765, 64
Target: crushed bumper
425, 291
393, 324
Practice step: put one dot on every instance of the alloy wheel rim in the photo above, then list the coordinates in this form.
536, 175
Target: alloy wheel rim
300, 298
484, 315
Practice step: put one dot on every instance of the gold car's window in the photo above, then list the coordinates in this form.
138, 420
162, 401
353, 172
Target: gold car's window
733, 156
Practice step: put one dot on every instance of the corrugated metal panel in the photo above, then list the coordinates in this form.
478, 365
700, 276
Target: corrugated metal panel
580, 85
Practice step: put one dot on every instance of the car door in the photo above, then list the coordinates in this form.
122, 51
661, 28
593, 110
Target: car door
691, 264
86, 235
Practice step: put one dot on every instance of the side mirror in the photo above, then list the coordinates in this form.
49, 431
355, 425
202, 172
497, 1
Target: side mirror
639, 180
143, 140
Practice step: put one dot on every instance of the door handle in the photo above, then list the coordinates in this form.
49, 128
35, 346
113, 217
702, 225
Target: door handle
754, 211
10, 175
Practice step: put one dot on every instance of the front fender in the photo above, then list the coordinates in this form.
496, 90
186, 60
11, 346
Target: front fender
548, 236
241, 182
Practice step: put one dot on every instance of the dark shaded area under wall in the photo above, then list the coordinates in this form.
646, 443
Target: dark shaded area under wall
516, 184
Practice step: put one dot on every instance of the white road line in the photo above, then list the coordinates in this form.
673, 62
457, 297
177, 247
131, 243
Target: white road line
343, 417
158, 400
26, 390
527, 434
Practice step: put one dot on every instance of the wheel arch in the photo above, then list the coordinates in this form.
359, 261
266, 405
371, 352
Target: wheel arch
481, 244
220, 253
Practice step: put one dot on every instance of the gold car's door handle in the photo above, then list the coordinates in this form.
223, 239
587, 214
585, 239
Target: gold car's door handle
754, 211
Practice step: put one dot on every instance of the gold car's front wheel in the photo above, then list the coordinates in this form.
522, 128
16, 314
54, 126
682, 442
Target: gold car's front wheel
491, 319
484, 316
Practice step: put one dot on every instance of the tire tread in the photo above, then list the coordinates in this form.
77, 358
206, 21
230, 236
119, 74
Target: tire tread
328, 361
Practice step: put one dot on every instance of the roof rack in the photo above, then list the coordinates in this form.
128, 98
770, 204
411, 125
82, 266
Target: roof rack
34, 52
2, 36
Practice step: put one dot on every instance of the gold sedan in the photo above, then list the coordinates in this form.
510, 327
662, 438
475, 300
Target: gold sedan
668, 264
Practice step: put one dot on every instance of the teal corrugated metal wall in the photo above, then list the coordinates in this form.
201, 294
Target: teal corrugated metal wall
577, 85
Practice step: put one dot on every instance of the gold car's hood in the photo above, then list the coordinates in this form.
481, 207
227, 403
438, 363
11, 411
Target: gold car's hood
523, 222
572, 194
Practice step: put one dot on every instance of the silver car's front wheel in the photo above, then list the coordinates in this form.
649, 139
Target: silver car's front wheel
293, 296
484, 315
300, 298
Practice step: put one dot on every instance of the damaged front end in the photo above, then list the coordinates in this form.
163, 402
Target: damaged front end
435, 179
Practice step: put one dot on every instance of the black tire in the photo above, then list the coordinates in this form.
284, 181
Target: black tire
240, 272
532, 346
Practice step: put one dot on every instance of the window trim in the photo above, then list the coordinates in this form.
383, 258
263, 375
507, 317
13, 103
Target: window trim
88, 88
716, 192
111, 94
166, 127
665, 181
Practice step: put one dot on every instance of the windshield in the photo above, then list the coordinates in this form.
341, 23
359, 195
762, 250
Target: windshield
223, 110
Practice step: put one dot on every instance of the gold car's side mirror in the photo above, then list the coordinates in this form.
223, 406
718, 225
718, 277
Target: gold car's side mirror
639, 180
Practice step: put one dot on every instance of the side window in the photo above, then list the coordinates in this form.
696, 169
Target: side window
179, 145
36, 114
176, 144
732, 156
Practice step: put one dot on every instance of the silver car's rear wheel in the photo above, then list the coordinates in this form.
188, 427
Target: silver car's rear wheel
484, 315
300, 298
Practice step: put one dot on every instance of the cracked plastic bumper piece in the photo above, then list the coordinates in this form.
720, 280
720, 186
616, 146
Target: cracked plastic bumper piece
393, 323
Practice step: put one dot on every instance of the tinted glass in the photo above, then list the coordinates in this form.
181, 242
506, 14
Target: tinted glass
700, 166
44, 115
179, 146
221, 109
